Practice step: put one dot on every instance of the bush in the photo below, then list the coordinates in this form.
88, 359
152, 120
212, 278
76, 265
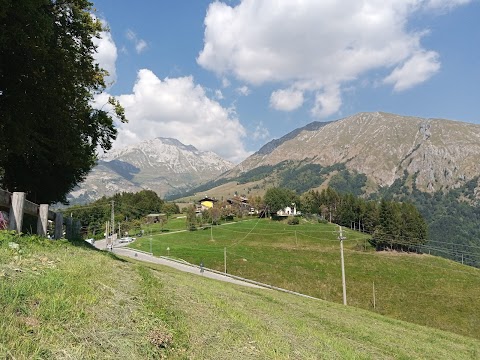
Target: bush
293, 221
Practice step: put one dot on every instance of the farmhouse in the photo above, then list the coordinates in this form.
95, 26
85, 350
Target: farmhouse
207, 203
288, 211
238, 201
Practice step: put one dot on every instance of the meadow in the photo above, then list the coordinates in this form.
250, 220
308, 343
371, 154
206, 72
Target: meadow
305, 258
63, 300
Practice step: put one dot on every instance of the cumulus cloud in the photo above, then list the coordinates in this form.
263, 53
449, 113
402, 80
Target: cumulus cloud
261, 132
106, 55
316, 46
327, 102
140, 44
225, 82
286, 100
179, 108
243, 90
417, 69
219, 95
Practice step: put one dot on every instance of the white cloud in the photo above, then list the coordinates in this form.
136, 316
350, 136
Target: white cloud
261, 132
178, 108
243, 90
417, 69
313, 45
445, 4
327, 102
106, 55
219, 95
286, 100
140, 44
225, 82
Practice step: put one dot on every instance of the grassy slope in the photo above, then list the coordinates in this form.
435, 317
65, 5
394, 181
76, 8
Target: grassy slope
423, 289
66, 301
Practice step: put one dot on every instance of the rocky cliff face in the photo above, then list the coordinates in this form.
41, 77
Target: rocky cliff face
443, 154
164, 165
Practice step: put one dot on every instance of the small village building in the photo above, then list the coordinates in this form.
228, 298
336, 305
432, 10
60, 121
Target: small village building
207, 203
288, 211
155, 218
239, 202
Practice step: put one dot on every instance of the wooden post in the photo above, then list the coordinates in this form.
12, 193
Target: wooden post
374, 300
16, 211
69, 228
225, 259
77, 230
42, 220
58, 225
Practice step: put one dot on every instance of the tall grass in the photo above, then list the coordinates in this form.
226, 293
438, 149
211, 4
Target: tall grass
423, 289
68, 301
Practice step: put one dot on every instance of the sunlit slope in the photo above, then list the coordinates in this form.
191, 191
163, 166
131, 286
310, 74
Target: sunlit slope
423, 289
65, 301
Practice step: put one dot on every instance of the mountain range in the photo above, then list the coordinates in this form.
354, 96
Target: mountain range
163, 165
434, 163
439, 154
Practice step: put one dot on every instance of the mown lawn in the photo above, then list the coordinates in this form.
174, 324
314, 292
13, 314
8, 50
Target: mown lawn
423, 289
69, 301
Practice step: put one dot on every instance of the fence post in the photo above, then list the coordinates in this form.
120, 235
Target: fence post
16, 211
58, 225
77, 230
69, 228
42, 220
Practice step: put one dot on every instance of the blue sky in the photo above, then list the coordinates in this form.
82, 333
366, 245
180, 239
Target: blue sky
230, 76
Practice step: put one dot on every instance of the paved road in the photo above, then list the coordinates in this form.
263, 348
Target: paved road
119, 249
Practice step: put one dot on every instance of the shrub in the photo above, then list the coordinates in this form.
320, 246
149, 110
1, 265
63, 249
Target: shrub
293, 221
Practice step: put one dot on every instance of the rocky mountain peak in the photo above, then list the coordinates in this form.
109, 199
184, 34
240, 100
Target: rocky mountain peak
164, 165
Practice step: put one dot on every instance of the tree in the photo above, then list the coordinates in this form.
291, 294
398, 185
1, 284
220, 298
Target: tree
279, 198
170, 208
49, 131
191, 218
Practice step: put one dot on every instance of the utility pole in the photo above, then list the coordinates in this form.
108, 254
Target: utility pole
341, 238
113, 218
107, 231
211, 231
225, 258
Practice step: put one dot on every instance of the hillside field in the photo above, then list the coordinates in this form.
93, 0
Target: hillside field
69, 301
305, 258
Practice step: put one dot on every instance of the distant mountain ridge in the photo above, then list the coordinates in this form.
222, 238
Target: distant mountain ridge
164, 165
442, 154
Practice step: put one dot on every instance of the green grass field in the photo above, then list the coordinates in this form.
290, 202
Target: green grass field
68, 301
423, 289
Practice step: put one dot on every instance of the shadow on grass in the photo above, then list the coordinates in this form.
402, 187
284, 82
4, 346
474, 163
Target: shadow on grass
86, 245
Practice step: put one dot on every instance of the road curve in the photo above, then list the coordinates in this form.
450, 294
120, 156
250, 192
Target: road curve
186, 267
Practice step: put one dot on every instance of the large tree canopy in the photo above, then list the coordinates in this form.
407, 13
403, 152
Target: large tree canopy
278, 198
49, 131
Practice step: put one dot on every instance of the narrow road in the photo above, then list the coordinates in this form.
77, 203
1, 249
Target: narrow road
119, 249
